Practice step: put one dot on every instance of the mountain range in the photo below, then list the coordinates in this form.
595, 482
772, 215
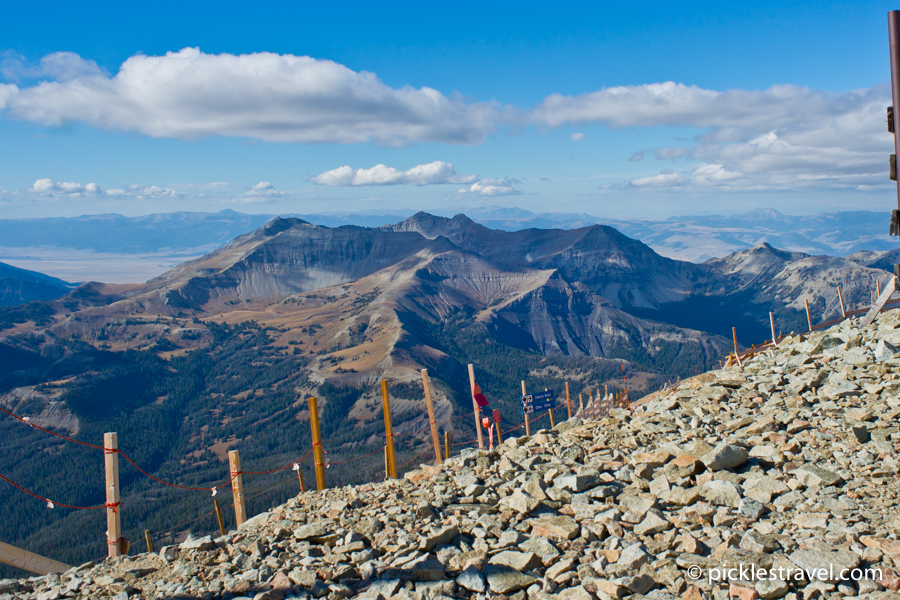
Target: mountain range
115, 248
220, 351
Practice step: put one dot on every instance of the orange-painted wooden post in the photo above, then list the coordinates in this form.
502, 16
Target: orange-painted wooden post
388, 430
318, 455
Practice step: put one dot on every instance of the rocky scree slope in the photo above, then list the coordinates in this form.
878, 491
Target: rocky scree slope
787, 462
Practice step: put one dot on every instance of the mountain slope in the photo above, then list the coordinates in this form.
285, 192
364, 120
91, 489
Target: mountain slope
623, 270
19, 286
221, 351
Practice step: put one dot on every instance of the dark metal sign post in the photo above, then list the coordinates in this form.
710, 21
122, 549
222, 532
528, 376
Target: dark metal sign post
894, 41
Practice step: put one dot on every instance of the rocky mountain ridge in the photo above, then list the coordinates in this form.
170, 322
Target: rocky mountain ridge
786, 465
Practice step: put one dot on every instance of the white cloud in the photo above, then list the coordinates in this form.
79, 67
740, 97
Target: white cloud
679, 105
273, 97
7, 91
786, 137
665, 178
491, 187
49, 188
263, 189
59, 66
215, 192
437, 172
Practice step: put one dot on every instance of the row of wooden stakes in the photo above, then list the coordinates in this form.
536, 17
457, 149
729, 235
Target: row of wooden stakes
118, 546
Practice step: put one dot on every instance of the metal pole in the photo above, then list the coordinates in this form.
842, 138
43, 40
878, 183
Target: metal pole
527, 423
894, 41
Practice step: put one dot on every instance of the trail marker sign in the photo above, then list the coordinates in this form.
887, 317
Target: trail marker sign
538, 401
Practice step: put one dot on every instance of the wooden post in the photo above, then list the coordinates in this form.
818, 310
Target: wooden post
527, 423
550, 412
772, 323
435, 440
808, 319
318, 456
841, 298
29, 561
497, 425
734, 337
237, 487
219, 518
113, 515
446, 444
886, 294
475, 406
149, 540
568, 401
300, 478
388, 430
580, 404
387, 471
877, 286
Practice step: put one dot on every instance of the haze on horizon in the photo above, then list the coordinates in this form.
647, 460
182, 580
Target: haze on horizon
619, 112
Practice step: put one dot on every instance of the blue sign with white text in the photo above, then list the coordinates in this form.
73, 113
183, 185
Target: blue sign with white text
538, 401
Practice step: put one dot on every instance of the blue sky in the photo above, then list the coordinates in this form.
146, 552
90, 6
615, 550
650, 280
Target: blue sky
567, 108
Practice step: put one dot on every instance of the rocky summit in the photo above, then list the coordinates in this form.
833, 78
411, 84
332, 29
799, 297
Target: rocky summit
785, 465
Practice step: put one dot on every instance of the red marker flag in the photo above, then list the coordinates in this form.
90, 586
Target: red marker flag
480, 400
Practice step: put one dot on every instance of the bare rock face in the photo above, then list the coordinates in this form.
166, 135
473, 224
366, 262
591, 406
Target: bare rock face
42, 408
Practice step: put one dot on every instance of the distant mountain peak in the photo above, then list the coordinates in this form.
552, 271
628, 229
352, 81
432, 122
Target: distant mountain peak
764, 214
277, 225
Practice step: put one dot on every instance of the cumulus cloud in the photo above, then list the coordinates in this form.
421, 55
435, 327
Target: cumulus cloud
217, 191
59, 66
665, 178
48, 187
274, 97
677, 104
491, 187
437, 172
263, 189
786, 137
